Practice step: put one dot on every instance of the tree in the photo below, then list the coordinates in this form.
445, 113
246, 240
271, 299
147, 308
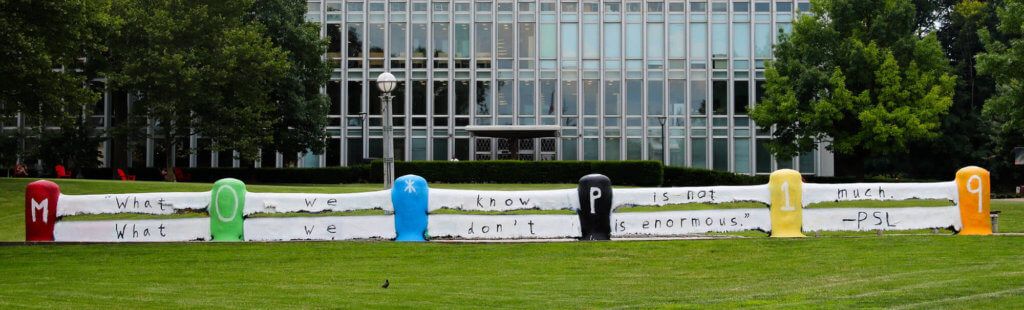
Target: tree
964, 136
855, 74
197, 69
74, 145
300, 109
1001, 61
43, 44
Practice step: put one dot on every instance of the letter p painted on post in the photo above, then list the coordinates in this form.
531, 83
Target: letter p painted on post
973, 190
40, 210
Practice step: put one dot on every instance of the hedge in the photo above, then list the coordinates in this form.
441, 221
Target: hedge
682, 176
637, 172
330, 175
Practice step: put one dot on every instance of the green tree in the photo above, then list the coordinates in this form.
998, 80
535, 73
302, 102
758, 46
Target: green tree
964, 136
300, 109
197, 69
74, 146
856, 74
43, 45
1002, 61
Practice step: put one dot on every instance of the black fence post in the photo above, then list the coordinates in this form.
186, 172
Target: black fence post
595, 192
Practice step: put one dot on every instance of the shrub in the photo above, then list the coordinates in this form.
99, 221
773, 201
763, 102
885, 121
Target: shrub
682, 176
640, 173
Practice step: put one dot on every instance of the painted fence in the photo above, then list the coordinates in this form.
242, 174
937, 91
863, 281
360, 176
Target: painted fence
234, 214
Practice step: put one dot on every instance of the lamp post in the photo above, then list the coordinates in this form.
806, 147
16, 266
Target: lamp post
664, 139
386, 83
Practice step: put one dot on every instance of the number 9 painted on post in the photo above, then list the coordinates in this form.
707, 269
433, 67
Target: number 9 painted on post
973, 189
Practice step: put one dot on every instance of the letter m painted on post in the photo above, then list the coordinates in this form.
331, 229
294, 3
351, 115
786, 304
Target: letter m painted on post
42, 205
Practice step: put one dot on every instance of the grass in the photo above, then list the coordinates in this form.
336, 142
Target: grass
919, 271
891, 272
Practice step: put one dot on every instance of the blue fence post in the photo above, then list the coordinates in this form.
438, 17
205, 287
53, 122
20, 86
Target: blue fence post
409, 198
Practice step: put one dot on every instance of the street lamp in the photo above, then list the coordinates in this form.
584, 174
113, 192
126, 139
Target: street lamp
664, 139
386, 82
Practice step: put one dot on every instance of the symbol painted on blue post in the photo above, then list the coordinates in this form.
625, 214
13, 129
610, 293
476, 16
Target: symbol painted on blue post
410, 205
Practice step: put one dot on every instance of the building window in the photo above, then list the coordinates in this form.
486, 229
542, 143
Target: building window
612, 148
483, 98
419, 40
462, 97
677, 97
462, 41
527, 44
699, 152
441, 98
634, 97
612, 40
612, 97
741, 97
397, 48
591, 41
634, 148
719, 97
547, 96
591, 96
548, 40
698, 40
741, 163
676, 152
698, 97
677, 40
634, 40
655, 98
570, 95
569, 41
762, 40
526, 98
504, 40
655, 40
720, 149
504, 96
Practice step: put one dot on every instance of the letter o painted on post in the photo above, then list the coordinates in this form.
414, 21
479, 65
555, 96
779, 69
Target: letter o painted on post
234, 209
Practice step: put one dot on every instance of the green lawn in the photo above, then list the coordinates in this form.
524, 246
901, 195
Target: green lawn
897, 271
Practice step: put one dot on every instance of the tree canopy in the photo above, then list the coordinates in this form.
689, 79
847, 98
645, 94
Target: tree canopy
43, 45
1002, 61
197, 69
300, 109
856, 74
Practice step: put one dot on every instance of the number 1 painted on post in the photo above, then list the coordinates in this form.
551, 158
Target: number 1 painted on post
785, 190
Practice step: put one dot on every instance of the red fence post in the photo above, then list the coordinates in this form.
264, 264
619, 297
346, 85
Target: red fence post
40, 210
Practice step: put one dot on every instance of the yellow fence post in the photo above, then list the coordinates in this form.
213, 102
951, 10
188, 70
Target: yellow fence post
786, 187
973, 189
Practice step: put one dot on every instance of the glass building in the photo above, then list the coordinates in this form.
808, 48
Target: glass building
622, 80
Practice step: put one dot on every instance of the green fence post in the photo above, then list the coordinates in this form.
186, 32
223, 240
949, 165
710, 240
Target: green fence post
226, 207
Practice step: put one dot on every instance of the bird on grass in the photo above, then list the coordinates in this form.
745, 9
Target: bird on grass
386, 284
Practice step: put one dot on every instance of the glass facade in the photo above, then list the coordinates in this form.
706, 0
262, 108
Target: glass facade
669, 81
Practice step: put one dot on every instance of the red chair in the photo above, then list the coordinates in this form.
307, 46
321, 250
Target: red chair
181, 176
62, 173
125, 177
